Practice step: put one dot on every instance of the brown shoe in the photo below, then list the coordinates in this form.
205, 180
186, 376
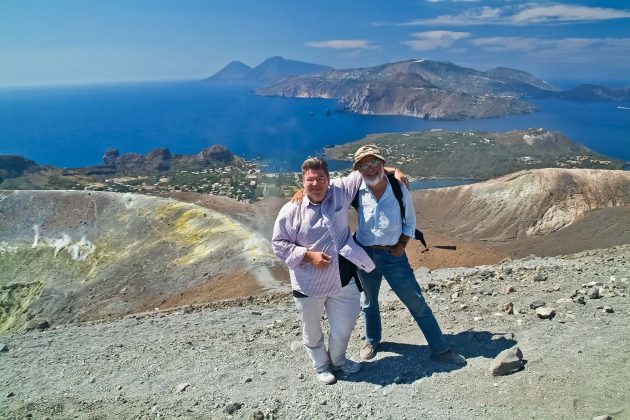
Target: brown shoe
449, 357
368, 351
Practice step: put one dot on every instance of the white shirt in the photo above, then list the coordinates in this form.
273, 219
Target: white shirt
379, 220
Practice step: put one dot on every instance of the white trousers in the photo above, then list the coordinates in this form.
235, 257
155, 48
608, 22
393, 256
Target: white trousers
342, 310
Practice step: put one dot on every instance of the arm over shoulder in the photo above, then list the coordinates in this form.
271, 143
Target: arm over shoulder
349, 184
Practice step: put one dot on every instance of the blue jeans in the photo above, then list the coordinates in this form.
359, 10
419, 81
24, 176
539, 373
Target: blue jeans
401, 279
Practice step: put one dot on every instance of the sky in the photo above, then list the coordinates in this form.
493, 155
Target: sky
45, 42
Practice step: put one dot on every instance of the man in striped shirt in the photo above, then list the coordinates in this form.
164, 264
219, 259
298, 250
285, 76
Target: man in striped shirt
309, 236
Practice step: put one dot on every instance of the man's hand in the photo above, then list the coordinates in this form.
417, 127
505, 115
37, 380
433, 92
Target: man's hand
318, 259
401, 177
298, 196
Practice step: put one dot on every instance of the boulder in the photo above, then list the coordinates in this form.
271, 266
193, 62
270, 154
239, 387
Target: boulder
507, 362
215, 153
12, 166
545, 313
110, 156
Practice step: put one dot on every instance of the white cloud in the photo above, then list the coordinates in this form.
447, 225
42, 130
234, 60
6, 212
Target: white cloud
567, 13
480, 16
434, 39
342, 44
524, 15
576, 50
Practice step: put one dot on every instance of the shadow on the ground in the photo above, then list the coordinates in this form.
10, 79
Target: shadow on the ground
412, 362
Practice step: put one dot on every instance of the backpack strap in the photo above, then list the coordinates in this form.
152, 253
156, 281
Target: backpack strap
397, 190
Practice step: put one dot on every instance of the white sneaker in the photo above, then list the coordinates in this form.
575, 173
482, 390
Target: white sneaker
326, 377
348, 366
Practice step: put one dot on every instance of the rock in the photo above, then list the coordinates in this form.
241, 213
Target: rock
539, 277
604, 417
232, 407
508, 288
295, 345
43, 325
215, 153
564, 300
545, 313
593, 294
580, 300
537, 304
608, 309
508, 308
3, 348
508, 361
12, 166
181, 387
110, 156
258, 415
455, 295
430, 285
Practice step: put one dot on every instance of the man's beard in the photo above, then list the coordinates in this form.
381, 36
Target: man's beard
371, 182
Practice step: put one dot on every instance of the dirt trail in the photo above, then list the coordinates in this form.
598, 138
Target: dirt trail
245, 358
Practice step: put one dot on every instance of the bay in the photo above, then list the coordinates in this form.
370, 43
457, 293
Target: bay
71, 126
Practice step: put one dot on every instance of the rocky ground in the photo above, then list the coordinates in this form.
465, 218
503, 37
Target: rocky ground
243, 358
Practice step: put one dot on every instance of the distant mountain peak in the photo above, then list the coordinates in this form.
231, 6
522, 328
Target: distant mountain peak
271, 70
231, 73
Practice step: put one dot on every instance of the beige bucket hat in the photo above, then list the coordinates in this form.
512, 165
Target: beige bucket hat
367, 150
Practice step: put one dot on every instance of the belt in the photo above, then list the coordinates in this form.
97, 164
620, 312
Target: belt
384, 247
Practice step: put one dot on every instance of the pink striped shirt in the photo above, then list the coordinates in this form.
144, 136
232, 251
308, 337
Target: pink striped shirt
305, 226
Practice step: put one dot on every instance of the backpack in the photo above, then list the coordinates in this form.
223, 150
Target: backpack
397, 190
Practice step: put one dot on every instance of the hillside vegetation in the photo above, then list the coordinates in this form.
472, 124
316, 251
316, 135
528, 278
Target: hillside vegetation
477, 154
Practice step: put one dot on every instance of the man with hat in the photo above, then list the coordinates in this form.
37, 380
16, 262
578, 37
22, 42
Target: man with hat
384, 229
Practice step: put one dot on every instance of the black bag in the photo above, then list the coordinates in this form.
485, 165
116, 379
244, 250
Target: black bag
347, 272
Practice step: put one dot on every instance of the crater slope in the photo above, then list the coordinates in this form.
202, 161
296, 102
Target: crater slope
69, 256
529, 204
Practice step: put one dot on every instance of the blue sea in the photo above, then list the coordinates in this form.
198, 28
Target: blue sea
71, 126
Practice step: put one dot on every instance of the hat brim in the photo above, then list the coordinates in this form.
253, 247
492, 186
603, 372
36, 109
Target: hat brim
356, 163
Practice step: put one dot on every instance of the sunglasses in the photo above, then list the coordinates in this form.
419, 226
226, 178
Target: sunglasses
368, 165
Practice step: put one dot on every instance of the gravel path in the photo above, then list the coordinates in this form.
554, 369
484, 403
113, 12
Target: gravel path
243, 359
